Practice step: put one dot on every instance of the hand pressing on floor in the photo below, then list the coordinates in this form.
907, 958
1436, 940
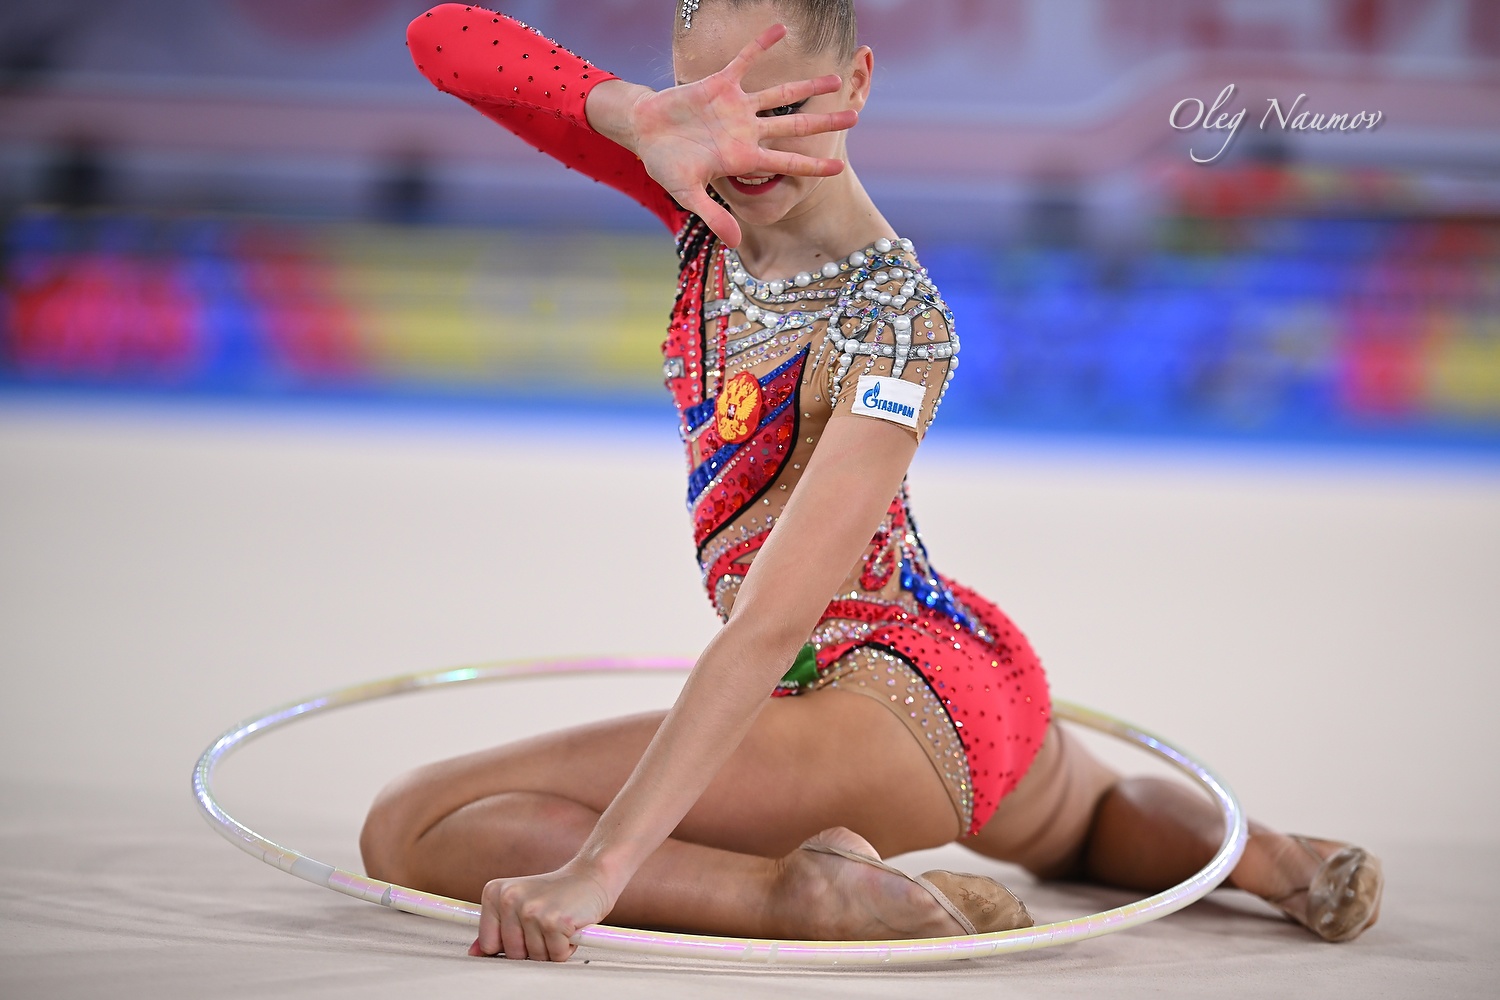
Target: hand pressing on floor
538, 918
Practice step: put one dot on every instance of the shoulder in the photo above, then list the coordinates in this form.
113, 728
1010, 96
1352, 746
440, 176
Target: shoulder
894, 312
893, 352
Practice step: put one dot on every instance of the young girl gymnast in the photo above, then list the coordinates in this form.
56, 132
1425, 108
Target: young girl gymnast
856, 703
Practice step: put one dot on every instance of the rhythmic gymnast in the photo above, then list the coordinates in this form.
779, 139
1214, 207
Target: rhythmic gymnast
808, 353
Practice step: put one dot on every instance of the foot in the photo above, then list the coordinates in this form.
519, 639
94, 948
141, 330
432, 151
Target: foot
822, 897
1332, 889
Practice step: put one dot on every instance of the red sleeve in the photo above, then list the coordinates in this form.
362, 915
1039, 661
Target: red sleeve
534, 87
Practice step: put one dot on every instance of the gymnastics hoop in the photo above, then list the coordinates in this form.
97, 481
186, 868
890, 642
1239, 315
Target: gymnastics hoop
697, 947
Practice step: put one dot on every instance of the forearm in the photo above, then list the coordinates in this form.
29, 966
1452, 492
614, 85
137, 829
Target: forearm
827, 525
719, 704
537, 90
610, 110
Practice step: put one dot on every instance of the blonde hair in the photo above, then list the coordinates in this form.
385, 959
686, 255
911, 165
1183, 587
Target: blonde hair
826, 24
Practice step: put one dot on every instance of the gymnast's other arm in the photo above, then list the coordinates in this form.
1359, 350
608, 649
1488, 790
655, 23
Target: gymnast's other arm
858, 466
689, 135
683, 137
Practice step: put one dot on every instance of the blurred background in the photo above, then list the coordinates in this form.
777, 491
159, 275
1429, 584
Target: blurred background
262, 199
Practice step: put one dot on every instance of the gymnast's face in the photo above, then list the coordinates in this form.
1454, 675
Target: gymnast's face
718, 34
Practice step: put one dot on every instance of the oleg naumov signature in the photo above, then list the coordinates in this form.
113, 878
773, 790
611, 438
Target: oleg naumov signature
1191, 113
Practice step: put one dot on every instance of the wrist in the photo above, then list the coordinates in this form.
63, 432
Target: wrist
611, 110
608, 868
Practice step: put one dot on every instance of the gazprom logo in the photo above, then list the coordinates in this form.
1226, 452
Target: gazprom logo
886, 398
872, 401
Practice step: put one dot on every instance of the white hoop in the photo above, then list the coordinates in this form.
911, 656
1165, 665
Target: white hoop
695, 947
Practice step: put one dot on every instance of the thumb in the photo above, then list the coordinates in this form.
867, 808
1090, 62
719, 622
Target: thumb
715, 216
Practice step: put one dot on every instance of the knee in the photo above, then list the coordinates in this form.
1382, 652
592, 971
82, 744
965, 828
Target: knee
391, 829
1166, 806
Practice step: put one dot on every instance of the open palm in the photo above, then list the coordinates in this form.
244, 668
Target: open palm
691, 135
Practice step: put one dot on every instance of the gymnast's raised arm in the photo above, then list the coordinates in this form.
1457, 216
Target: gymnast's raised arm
660, 148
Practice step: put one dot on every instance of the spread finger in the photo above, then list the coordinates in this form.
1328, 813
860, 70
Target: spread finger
741, 63
796, 126
790, 93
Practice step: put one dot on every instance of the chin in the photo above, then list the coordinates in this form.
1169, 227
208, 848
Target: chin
760, 212
762, 215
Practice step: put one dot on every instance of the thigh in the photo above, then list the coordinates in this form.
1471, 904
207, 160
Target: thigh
1044, 824
824, 759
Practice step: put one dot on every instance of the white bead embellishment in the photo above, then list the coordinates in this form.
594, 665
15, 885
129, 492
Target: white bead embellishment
860, 301
689, 8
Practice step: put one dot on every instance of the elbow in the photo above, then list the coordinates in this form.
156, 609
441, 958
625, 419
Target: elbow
427, 33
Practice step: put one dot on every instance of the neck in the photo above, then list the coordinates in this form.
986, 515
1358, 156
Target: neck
836, 220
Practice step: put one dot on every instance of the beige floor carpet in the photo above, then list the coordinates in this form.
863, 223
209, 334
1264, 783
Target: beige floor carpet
1323, 630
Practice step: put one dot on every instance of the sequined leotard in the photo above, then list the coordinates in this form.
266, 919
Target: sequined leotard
757, 370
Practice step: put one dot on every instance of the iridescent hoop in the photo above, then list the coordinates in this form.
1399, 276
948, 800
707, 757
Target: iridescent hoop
695, 947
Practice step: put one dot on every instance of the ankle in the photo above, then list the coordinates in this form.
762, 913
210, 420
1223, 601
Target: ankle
797, 899
1274, 866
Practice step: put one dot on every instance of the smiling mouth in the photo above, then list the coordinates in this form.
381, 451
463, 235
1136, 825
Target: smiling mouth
755, 185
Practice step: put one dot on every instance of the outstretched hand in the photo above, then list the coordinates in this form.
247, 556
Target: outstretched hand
539, 917
690, 135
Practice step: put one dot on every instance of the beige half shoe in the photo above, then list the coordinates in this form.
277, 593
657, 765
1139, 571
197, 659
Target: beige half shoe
1343, 900
979, 903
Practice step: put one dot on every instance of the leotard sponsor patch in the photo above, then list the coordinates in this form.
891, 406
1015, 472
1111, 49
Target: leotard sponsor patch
893, 399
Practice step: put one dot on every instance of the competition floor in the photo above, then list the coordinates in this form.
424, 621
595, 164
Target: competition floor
1322, 630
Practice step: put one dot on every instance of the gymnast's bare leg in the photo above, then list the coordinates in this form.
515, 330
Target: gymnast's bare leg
733, 866
817, 763
1073, 818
